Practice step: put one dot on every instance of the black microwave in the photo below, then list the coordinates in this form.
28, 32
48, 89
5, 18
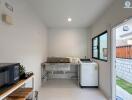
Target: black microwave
9, 73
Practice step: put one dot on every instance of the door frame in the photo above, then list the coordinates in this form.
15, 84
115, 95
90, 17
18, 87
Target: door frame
113, 69
113, 57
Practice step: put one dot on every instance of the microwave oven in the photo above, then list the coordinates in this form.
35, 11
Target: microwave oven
9, 73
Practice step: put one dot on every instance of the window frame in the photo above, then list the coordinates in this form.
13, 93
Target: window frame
98, 46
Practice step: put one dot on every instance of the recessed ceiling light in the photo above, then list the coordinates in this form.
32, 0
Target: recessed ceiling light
69, 19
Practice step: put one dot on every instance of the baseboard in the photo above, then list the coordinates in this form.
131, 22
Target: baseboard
88, 86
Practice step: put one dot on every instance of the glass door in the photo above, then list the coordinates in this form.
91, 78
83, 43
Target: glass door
123, 60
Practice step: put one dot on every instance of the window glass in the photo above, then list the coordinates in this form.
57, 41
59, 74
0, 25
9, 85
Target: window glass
103, 46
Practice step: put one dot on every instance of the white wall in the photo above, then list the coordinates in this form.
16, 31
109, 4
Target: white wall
68, 42
25, 40
115, 14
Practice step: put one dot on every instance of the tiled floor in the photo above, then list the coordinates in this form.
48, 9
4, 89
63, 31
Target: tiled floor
67, 90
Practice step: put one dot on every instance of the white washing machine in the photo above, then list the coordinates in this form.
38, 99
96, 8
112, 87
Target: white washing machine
88, 74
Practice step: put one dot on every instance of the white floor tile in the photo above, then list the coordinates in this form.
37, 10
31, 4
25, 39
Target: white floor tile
67, 90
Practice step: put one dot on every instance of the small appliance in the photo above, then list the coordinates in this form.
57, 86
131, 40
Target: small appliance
9, 73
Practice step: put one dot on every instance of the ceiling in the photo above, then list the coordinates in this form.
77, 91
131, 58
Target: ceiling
54, 13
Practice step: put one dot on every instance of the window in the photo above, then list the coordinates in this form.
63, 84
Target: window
99, 46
